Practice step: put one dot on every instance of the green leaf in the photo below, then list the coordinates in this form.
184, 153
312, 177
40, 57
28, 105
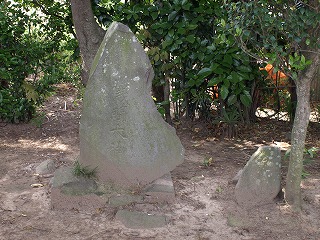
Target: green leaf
167, 43
243, 68
308, 41
223, 22
218, 70
171, 33
156, 58
154, 15
224, 91
204, 72
186, 6
192, 26
238, 31
245, 98
228, 59
232, 99
214, 81
172, 15
191, 83
191, 38
291, 60
181, 31
31, 92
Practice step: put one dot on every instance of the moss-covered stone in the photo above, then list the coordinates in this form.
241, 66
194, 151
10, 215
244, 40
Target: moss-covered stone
121, 131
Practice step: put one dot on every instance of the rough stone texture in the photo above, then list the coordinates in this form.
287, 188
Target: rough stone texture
62, 176
88, 202
160, 190
45, 167
122, 200
121, 131
236, 177
260, 180
140, 220
80, 187
70, 192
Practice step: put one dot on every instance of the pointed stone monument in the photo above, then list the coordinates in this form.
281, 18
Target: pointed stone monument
122, 134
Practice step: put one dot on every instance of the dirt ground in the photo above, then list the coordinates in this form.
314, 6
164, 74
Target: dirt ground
204, 208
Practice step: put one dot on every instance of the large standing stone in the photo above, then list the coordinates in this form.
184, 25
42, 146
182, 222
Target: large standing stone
121, 131
260, 179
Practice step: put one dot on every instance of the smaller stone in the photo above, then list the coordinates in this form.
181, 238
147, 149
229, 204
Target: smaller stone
260, 181
160, 190
80, 187
46, 167
62, 176
122, 200
70, 192
140, 220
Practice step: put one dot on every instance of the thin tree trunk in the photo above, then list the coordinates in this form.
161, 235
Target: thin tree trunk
89, 34
298, 135
166, 96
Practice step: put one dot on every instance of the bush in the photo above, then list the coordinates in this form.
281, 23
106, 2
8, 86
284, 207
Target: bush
35, 53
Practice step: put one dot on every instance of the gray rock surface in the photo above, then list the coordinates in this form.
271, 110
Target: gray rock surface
160, 190
62, 176
46, 167
260, 181
121, 131
125, 199
70, 192
236, 177
134, 219
80, 187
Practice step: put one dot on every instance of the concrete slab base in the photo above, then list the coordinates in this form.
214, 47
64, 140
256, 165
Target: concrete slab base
74, 193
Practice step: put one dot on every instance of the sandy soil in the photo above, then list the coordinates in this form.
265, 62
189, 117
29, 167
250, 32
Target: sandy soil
205, 207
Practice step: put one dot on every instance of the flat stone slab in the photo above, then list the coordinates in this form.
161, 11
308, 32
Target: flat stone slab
122, 200
160, 190
88, 202
69, 192
133, 219
80, 187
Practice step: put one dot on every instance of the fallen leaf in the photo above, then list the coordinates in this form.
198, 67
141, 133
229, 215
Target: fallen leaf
36, 185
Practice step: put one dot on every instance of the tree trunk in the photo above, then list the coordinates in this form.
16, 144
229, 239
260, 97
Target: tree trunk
166, 96
298, 135
89, 34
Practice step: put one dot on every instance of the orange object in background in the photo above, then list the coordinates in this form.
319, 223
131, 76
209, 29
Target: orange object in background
271, 75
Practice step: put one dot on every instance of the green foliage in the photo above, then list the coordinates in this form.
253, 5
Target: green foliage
187, 41
230, 117
207, 161
275, 32
36, 51
309, 155
84, 171
14, 108
38, 119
